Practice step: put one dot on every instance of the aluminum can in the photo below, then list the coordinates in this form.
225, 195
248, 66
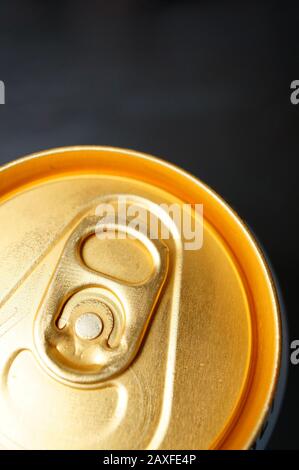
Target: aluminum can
122, 325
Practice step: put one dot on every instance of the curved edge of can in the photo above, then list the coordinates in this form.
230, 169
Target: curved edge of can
264, 435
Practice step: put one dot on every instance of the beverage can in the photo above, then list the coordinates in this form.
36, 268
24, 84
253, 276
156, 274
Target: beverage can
137, 310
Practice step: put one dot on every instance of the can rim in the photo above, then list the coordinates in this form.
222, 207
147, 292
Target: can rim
226, 442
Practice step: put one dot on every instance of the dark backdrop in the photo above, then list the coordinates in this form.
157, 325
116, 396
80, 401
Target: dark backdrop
205, 84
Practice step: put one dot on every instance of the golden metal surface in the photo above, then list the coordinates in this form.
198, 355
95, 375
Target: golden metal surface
123, 308
127, 343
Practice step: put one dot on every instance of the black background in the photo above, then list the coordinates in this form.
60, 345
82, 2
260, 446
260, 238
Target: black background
204, 84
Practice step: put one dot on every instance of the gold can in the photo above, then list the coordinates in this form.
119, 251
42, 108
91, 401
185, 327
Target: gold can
114, 338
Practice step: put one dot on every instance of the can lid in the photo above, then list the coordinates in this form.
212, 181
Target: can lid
113, 337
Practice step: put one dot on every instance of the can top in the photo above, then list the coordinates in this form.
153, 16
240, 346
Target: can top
113, 337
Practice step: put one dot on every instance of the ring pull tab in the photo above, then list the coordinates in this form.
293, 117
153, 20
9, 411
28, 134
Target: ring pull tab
90, 325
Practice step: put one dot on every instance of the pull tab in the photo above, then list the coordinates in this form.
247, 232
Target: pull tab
90, 325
